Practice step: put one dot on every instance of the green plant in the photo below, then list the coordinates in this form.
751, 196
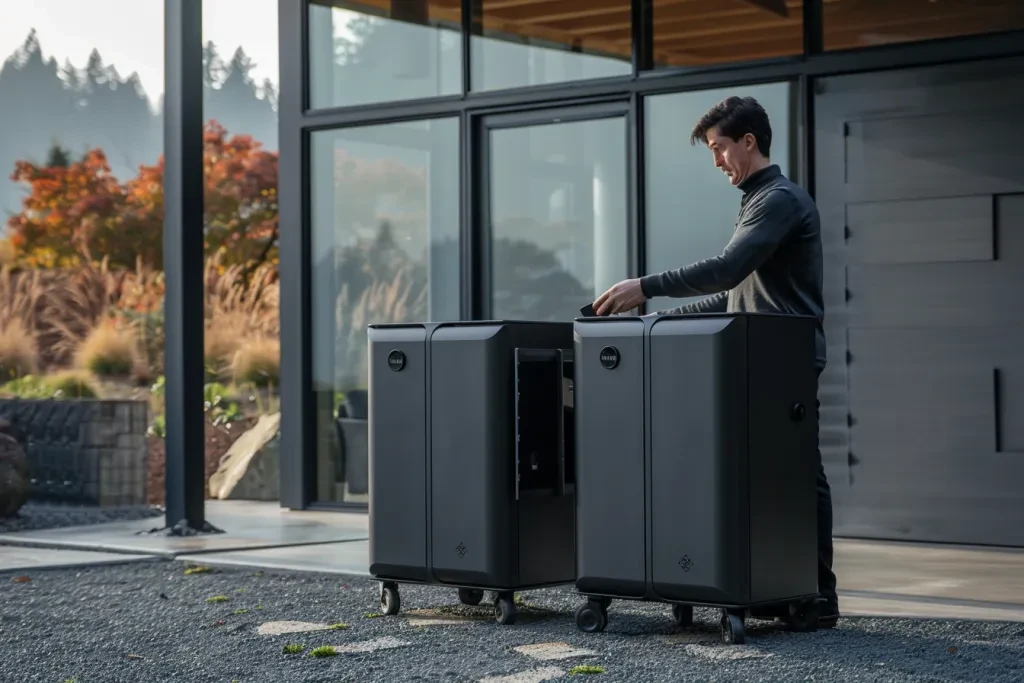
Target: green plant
338, 627
241, 611
323, 651
217, 598
584, 669
293, 649
218, 405
372, 615
197, 569
159, 427
62, 385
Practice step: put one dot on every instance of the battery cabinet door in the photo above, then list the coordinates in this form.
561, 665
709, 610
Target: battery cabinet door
398, 451
610, 472
472, 452
698, 453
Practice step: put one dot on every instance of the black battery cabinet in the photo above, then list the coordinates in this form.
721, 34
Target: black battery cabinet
696, 463
470, 483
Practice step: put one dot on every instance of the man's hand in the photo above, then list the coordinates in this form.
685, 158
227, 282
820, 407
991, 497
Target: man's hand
623, 296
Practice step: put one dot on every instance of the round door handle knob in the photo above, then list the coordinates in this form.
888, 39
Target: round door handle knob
798, 412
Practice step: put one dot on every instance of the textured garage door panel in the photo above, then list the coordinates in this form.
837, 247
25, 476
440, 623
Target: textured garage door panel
923, 236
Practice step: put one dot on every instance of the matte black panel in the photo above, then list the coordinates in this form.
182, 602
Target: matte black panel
398, 453
699, 487
473, 456
929, 336
547, 549
783, 460
610, 472
922, 231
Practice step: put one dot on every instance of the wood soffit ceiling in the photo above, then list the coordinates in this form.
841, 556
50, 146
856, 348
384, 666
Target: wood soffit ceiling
696, 32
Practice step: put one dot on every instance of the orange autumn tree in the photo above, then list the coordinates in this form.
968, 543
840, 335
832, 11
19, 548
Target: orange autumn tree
77, 211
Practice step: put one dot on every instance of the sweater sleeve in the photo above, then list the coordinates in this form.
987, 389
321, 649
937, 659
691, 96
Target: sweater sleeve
758, 235
713, 304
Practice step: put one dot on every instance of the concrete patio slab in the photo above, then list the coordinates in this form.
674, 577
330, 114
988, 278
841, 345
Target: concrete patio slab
934, 571
247, 525
14, 558
349, 558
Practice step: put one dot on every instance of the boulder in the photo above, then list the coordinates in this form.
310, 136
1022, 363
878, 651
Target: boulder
248, 471
15, 476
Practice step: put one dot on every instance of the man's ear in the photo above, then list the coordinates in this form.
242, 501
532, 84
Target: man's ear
750, 142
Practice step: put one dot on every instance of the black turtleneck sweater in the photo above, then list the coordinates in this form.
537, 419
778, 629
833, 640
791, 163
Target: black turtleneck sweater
772, 264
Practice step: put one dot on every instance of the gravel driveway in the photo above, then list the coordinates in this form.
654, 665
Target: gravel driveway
152, 622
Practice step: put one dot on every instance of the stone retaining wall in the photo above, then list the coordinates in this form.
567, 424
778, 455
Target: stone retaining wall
85, 451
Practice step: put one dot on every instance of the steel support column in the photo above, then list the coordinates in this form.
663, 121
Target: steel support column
183, 265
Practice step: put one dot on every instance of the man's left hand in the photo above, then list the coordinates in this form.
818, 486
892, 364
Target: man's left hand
623, 296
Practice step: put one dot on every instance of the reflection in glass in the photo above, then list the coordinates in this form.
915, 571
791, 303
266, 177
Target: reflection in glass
694, 33
385, 249
383, 50
558, 217
550, 41
691, 207
850, 24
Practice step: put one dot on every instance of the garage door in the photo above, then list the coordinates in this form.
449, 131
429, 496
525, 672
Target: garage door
920, 184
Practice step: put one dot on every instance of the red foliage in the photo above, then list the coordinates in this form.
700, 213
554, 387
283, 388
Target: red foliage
76, 213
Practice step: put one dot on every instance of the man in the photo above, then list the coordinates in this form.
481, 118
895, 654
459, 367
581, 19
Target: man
773, 263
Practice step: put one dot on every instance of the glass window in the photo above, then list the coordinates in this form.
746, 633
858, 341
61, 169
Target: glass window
385, 248
521, 43
695, 33
865, 24
558, 217
383, 51
691, 207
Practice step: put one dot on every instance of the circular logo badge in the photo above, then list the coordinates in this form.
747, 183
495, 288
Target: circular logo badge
609, 357
396, 360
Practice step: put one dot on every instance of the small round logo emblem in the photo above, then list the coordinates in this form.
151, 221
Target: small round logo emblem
609, 357
396, 360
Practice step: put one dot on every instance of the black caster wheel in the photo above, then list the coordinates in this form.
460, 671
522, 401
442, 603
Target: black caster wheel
390, 603
733, 631
592, 617
470, 596
802, 616
683, 615
505, 609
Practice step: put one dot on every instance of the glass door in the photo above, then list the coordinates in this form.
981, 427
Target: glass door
555, 210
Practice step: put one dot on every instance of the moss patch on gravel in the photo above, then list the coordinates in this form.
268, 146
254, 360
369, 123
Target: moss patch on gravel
217, 598
198, 569
585, 669
323, 651
340, 626
292, 649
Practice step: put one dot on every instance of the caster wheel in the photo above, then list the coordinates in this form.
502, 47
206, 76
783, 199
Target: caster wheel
505, 609
592, 617
683, 615
802, 616
470, 596
733, 631
390, 603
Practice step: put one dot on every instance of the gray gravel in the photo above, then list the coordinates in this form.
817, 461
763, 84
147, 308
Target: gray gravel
150, 622
35, 516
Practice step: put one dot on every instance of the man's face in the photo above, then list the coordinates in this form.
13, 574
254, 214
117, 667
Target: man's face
732, 156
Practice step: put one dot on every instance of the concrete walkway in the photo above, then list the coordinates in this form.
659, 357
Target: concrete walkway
876, 578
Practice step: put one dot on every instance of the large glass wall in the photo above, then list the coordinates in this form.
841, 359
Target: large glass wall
549, 41
701, 33
385, 249
691, 207
382, 51
558, 216
81, 213
883, 22
242, 348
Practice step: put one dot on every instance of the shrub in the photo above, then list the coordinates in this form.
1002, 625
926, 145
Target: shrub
68, 384
258, 362
17, 351
109, 351
221, 341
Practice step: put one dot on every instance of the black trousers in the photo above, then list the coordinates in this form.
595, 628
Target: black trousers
826, 577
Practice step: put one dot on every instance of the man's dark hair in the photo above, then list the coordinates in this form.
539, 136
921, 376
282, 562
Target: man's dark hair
734, 117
